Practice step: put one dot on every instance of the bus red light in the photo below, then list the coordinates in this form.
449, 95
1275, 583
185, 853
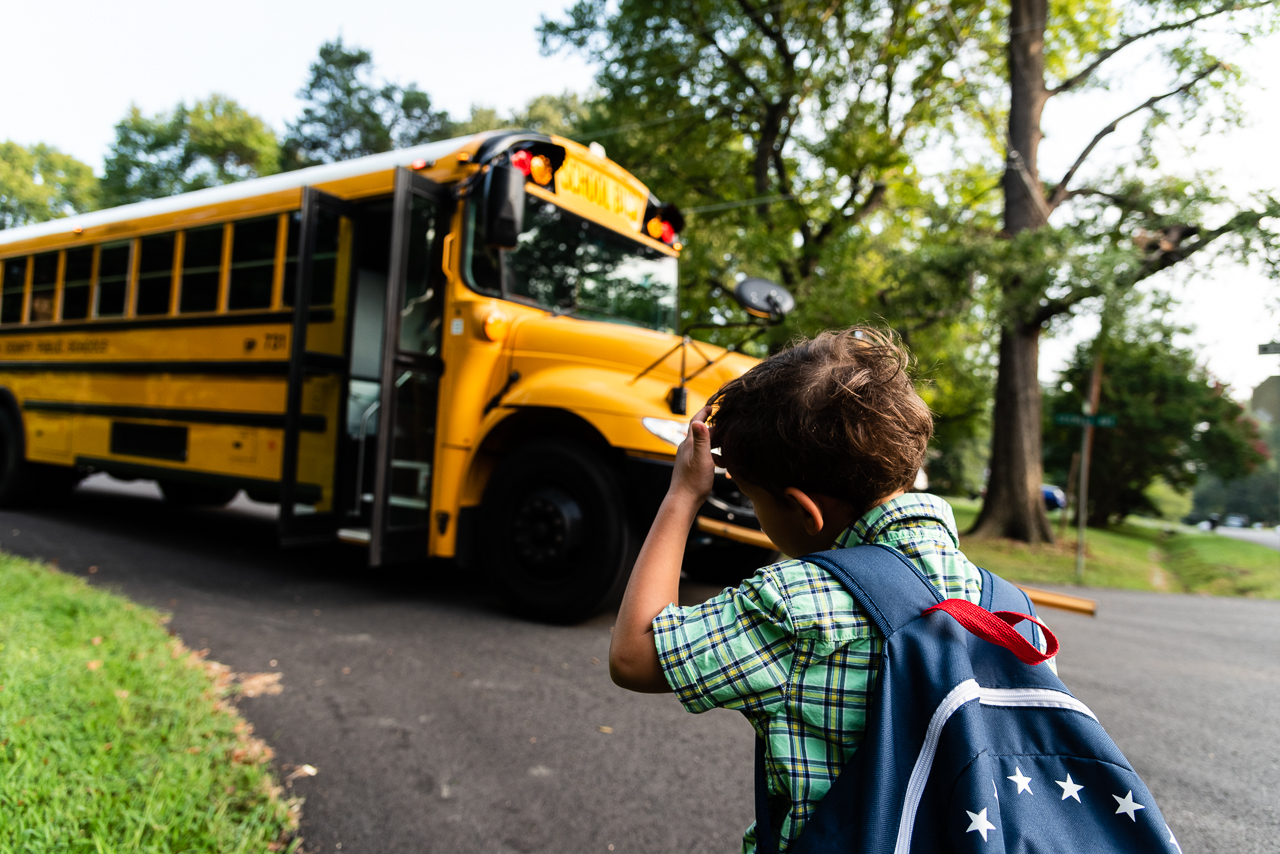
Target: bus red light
523, 161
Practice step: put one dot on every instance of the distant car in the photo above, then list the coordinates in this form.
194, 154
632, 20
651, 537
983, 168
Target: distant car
1235, 520
1054, 497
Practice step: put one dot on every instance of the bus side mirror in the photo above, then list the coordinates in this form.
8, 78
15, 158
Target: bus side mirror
503, 206
765, 299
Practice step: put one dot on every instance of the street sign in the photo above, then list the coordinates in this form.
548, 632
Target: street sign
1072, 419
1272, 349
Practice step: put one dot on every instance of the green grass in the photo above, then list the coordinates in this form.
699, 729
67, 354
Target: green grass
114, 737
1223, 566
1136, 556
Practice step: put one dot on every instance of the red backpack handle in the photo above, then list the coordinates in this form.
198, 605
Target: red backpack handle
997, 627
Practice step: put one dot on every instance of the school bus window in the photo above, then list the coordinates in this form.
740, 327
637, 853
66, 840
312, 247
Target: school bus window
75, 283
113, 279
155, 274
421, 313
564, 261
11, 291
201, 264
253, 259
483, 263
44, 285
324, 263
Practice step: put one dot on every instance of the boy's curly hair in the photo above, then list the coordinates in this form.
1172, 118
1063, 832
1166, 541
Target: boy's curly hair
836, 415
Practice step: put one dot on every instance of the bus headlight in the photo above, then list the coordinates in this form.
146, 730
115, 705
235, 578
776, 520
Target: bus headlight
667, 430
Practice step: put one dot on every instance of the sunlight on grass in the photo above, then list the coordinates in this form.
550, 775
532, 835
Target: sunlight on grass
114, 737
1138, 556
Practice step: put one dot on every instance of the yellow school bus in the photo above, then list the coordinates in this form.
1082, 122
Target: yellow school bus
463, 349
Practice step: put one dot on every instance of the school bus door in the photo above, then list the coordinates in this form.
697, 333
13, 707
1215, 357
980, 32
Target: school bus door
411, 371
323, 250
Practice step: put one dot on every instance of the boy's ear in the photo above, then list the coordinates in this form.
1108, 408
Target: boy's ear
812, 520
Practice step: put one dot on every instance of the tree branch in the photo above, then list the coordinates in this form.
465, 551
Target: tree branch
772, 33
1017, 164
1076, 79
1059, 194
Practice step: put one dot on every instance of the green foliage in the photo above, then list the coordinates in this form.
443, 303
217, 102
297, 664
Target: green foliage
111, 735
1168, 503
785, 132
1173, 422
41, 183
560, 115
1255, 495
347, 113
212, 142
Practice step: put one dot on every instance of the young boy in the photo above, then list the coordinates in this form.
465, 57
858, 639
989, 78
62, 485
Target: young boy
824, 438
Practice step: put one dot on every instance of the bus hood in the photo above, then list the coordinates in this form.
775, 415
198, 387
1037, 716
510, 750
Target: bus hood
591, 365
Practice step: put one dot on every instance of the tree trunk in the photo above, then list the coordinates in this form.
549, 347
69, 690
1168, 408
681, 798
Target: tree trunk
1013, 506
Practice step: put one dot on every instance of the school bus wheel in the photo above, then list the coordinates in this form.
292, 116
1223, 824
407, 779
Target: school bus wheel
556, 533
23, 483
186, 494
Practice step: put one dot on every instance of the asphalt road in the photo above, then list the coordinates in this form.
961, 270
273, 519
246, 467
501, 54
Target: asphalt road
439, 724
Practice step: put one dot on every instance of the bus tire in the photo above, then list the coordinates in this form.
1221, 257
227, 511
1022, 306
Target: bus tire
183, 493
556, 532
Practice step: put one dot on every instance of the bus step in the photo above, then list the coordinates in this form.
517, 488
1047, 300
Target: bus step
359, 536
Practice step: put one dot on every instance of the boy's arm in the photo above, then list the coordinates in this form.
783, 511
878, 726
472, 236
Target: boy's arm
655, 580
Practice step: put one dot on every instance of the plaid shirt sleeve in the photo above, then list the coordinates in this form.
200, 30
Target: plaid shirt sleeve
733, 651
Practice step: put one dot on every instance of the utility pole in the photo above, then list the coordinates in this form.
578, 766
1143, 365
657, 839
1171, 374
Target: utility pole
1271, 349
1086, 452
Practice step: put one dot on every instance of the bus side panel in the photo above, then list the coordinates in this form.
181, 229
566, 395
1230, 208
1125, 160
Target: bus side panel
318, 451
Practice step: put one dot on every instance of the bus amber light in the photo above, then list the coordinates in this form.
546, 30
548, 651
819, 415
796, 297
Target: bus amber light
540, 169
496, 326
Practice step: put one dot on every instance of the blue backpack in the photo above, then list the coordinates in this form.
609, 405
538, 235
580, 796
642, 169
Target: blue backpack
969, 746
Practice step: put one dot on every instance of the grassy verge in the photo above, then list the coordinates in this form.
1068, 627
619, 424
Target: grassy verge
1223, 566
1135, 556
115, 737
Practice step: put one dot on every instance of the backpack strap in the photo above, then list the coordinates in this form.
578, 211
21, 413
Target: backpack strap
890, 588
895, 593
1000, 595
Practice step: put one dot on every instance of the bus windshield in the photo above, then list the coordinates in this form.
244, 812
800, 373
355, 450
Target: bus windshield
567, 263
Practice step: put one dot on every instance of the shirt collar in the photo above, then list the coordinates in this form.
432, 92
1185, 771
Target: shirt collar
913, 506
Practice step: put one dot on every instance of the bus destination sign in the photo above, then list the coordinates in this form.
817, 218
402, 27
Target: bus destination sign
575, 178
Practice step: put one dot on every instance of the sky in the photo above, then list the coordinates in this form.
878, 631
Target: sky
104, 57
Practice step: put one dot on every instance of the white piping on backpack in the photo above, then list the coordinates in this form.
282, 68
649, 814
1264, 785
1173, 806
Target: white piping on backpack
966, 692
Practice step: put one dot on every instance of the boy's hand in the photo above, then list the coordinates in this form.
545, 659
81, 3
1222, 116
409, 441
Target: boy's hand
695, 470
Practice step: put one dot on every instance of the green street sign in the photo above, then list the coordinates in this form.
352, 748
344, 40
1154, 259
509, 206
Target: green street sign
1072, 419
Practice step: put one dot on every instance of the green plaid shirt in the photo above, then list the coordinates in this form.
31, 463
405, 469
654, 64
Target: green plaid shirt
793, 651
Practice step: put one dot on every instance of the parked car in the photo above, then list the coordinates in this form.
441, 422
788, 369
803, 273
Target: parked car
1236, 520
1054, 497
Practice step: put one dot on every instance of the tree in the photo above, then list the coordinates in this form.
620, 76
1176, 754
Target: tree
347, 113
785, 131
41, 183
214, 141
562, 115
1172, 421
1119, 230
1253, 495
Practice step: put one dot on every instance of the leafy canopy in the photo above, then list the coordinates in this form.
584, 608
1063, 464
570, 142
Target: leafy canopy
41, 183
347, 113
214, 141
1173, 421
